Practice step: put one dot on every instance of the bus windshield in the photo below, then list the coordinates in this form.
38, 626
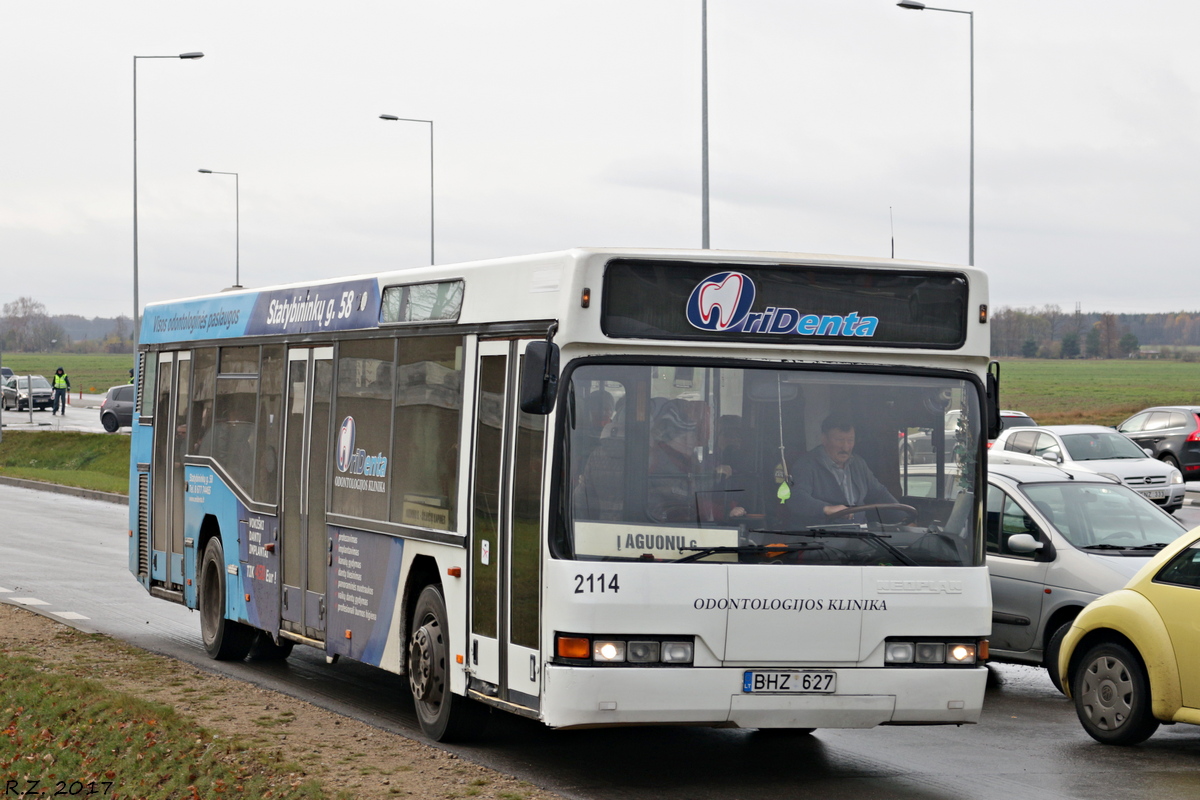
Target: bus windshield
798, 465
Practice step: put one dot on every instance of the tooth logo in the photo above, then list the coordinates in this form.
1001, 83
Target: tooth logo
345, 444
720, 302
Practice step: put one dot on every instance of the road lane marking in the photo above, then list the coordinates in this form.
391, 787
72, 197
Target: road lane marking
69, 615
30, 601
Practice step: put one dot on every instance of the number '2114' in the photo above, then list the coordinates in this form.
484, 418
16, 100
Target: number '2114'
596, 583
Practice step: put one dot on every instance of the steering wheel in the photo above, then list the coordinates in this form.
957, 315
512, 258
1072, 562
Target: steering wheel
910, 513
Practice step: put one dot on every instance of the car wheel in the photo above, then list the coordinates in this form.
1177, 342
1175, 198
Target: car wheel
224, 639
444, 716
1172, 460
1050, 654
1172, 509
109, 421
1112, 696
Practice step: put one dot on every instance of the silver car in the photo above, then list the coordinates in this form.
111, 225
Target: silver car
16, 393
1057, 540
1093, 449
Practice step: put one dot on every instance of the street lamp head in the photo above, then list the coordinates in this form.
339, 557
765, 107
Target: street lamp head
205, 171
911, 4
191, 55
389, 117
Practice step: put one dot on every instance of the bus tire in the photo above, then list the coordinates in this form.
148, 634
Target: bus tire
444, 716
264, 648
224, 639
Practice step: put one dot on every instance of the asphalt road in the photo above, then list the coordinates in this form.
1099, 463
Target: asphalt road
83, 414
66, 558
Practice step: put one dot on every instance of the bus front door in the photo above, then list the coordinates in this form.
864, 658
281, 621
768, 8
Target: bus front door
303, 538
505, 532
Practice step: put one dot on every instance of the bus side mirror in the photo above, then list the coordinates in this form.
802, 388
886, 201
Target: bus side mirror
993, 400
539, 377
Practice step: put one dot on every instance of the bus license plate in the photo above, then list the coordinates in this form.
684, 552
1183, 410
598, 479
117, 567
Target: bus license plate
789, 682
1154, 494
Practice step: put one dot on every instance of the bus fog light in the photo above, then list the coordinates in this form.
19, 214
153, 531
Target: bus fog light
609, 652
961, 654
677, 652
898, 653
931, 653
643, 652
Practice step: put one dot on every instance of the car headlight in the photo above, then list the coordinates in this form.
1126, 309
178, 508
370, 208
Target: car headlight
1176, 476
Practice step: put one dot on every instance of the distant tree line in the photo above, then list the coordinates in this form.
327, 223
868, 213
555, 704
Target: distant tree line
25, 327
1050, 332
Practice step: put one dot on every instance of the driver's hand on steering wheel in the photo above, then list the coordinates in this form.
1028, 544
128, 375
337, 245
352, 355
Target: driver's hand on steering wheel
833, 511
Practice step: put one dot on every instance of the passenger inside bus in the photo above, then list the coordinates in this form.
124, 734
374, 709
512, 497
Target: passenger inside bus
682, 487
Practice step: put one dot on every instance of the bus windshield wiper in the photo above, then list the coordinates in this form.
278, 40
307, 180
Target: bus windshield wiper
701, 552
851, 530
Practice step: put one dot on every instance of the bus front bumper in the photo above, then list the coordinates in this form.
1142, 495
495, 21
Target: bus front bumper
865, 698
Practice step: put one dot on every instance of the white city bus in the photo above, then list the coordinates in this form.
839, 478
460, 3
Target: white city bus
578, 486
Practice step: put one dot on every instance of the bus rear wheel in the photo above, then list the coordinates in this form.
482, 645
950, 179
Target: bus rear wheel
444, 716
224, 639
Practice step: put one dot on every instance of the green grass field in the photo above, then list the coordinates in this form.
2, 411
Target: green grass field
97, 461
91, 374
1059, 392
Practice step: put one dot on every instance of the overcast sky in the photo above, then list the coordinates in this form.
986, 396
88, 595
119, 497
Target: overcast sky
576, 122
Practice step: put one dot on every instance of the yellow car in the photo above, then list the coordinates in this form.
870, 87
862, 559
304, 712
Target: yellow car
1131, 659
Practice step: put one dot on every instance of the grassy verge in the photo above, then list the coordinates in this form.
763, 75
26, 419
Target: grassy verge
83, 708
92, 374
97, 461
73, 734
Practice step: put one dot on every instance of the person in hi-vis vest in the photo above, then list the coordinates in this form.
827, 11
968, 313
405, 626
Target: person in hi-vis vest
61, 384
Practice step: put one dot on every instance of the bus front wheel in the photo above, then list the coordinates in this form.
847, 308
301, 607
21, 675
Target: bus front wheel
444, 716
224, 639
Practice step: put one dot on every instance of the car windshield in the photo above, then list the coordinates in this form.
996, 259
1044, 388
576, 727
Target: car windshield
1099, 446
1103, 516
676, 462
1016, 422
38, 383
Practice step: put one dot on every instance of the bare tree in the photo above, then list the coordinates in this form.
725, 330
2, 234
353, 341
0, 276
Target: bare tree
25, 327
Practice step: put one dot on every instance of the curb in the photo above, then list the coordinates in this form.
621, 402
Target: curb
43, 486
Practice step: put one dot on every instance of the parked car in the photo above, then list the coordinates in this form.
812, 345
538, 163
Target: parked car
5, 374
116, 409
1129, 659
16, 392
1015, 419
1171, 433
1093, 448
1056, 541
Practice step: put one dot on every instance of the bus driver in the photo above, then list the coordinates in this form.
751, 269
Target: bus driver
829, 478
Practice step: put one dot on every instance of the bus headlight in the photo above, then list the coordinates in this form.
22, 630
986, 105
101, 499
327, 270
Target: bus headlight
585, 651
610, 652
914, 652
898, 653
677, 652
960, 654
644, 652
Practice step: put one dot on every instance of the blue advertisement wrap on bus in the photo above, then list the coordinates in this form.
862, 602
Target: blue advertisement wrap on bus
206, 494
346, 305
364, 579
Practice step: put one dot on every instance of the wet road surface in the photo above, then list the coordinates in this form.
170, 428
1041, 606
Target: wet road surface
69, 555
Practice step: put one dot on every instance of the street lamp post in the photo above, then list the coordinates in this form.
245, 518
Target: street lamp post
915, 6
136, 307
704, 124
237, 224
392, 118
